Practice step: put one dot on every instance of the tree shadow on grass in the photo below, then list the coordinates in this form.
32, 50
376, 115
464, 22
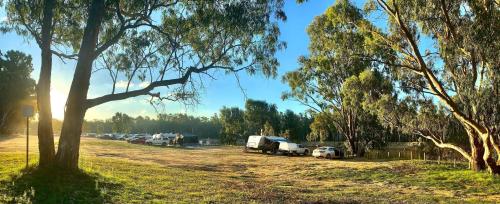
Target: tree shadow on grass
37, 185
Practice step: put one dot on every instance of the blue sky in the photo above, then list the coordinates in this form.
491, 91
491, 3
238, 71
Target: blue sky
223, 91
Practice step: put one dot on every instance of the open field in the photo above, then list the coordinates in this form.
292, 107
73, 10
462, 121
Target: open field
117, 172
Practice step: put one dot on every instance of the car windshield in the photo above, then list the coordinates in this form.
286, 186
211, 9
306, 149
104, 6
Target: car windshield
322, 148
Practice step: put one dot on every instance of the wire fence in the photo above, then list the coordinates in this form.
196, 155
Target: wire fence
439, 157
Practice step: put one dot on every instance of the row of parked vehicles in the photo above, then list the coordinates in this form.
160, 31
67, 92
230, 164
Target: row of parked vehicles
160, 139
275, 145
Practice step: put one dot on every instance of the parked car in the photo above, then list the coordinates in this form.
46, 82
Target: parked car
137, 140
290, 148
328, 152
162, 139
264, 143
89, 135
106, 136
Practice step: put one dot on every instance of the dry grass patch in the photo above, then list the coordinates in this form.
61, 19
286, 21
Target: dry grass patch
135, 173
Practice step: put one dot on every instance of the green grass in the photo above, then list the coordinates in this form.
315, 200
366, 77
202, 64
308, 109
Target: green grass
116, 172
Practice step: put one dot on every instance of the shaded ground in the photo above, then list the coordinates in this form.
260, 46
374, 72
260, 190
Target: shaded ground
117, 172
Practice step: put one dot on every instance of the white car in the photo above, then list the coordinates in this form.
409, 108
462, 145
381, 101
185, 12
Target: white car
162, 139
328, 152
293, 148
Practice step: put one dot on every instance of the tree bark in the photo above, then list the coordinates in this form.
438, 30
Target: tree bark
477, 150
45, 132
69, 142
491, 163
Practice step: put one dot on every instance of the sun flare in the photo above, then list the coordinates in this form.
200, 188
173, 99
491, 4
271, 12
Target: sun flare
58, 100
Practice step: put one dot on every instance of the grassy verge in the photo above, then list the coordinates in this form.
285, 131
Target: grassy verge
114, 172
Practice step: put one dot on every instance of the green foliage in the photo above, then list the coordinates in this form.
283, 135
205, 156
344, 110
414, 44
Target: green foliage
341, 78
257, 114
155, 41
122, 123
233, 125
16, 85
294, 126
268, 129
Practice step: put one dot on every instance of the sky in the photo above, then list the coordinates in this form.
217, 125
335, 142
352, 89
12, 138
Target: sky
224, 91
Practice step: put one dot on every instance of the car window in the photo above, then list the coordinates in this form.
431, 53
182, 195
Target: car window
331, 149
322, 148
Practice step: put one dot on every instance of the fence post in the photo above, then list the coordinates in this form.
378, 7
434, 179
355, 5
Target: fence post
388, 155
424, 156
439, 159
399, 155
454, 162
411, 155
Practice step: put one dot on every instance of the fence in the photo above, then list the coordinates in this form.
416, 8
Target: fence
441, 156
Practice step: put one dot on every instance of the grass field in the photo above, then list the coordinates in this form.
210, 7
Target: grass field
117, 172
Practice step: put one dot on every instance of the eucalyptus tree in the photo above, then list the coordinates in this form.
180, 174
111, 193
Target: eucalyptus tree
338, 51
16, 86
36, 20
171, 46
233, 125
257, 114
448, 50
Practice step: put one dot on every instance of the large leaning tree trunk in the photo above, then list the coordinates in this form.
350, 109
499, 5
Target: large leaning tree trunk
468, 84
45, 132
69, 142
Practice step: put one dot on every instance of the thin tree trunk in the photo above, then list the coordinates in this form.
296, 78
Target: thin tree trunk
69, 143
45, 132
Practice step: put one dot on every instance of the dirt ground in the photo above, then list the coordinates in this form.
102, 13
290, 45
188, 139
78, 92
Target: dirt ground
297, 178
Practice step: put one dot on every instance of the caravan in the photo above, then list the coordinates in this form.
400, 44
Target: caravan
264, 143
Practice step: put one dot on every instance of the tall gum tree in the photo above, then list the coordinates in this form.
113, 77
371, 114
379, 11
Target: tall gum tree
462, 72
337, 52
175, 45
35, 19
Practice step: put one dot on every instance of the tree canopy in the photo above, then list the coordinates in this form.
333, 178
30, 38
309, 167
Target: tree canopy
16, 86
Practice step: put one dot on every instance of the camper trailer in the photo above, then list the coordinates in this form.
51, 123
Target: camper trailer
264, 143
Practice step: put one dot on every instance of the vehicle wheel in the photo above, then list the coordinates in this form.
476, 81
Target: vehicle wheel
164, 144
328, 156
274, 151
306, 152
264, 151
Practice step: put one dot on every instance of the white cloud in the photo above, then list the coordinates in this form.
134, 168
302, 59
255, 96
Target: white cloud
143, 84
123, 84
3, 19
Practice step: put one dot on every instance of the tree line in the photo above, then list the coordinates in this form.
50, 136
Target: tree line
231, 125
